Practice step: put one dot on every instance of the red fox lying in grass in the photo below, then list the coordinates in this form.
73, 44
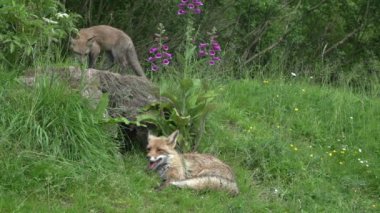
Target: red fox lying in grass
190, 170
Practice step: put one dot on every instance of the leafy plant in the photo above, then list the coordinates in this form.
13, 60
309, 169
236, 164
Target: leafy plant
30, 29
183, 106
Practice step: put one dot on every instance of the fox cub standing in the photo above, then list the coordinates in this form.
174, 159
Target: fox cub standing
190, 170
115, 43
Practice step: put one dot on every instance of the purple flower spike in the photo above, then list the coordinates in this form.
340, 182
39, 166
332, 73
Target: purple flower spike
165, 62
184, 1
165, 47
210, 50
190, 6
158, 55
153, 50
154, 68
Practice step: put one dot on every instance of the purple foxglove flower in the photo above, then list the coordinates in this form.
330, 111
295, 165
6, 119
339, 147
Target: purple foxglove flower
165, 47
197, 11
202, 53
190, 6
158, 55
151, 59
211, 62
197, 2
165, 62
203, 45
216, 46
212, 52
216, 58
184, 1
153, 50
181, 12
167, 55
154, 68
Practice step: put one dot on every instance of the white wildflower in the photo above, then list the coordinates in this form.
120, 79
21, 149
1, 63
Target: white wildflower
293, 74
62, 15
49, 21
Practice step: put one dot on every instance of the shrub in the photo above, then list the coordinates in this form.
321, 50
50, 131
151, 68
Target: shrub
31, 29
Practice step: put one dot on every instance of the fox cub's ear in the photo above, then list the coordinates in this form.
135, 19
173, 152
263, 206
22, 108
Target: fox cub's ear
173, 138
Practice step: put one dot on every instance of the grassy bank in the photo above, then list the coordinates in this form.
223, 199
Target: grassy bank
293, 146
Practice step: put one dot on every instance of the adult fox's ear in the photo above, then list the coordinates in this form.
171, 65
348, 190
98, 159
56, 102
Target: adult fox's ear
150, 136
173, 138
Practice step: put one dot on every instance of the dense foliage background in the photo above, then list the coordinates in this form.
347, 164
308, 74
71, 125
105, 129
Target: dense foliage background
343, 37
301, 36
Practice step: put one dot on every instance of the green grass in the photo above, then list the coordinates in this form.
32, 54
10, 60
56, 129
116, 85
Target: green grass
293, 146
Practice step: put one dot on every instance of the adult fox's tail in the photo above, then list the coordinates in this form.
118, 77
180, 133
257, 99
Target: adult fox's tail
208, 182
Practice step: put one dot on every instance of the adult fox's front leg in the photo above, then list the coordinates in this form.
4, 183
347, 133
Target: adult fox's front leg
93, 55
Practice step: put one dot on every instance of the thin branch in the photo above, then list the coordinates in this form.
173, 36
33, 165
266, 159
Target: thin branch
281, 38
258, 36
273, 45
349, 35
